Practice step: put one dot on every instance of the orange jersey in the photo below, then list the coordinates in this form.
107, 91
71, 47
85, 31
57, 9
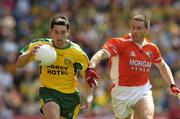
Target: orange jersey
130, 63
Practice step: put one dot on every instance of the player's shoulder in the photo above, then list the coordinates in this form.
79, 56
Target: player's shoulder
124, 38
35, 42
76, 47
77, 50
150, 43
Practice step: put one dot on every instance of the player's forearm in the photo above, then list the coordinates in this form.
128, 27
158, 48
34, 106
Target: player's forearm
91, 91
97, 58
166, 73
24, 59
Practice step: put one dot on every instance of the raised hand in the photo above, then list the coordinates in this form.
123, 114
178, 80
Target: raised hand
34, 50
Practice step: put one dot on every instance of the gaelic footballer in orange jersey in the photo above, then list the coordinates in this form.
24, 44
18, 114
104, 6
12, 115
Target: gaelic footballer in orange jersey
133, 61
130, 58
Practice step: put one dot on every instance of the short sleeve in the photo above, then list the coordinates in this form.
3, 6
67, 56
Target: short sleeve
34, 43
157, 55
113, 46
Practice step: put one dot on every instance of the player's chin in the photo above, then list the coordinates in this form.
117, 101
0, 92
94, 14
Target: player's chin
134, 36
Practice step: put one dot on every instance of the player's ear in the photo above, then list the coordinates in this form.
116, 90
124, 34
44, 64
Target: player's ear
68, 32
148, 31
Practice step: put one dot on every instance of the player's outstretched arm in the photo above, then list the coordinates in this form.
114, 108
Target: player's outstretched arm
167, 76
26, 57
91, 75
97, 58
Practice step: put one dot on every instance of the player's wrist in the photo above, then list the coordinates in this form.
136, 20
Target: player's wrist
89, 98
92, 65
89, 68
173, 85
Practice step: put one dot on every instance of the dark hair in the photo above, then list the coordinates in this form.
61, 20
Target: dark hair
59, 20
142, 18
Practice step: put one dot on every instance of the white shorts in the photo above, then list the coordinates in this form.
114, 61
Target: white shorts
124, 98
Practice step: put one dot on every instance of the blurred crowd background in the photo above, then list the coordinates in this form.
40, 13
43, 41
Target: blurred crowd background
92, 22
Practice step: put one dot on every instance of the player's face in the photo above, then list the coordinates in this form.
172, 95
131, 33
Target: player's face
138, 31
59, 33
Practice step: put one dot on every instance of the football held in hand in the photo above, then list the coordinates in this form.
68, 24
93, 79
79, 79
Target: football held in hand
45, 55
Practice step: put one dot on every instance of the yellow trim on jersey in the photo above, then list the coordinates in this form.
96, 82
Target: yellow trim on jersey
76, 111
41, 103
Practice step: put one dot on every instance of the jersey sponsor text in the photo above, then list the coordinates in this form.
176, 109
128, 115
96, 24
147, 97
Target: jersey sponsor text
57, 70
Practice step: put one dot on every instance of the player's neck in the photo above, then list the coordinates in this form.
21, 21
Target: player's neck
139, 41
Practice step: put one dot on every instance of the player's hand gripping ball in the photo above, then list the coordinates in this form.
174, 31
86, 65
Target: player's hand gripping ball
45, 55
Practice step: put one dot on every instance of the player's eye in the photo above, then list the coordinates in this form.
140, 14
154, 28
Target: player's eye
132, 27
56, 32
59, 32
139, 28
63, 32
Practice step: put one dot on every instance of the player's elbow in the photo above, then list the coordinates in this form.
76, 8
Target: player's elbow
19, 63
161, 65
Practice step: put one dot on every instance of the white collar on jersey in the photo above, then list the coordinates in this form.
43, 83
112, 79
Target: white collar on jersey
142, 44
139, 45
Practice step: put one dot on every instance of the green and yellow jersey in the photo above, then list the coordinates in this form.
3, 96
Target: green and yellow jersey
62, 74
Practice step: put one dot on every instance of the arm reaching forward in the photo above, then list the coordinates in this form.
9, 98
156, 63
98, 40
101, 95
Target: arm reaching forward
91, 75
167, 76
97, 58
26, 57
